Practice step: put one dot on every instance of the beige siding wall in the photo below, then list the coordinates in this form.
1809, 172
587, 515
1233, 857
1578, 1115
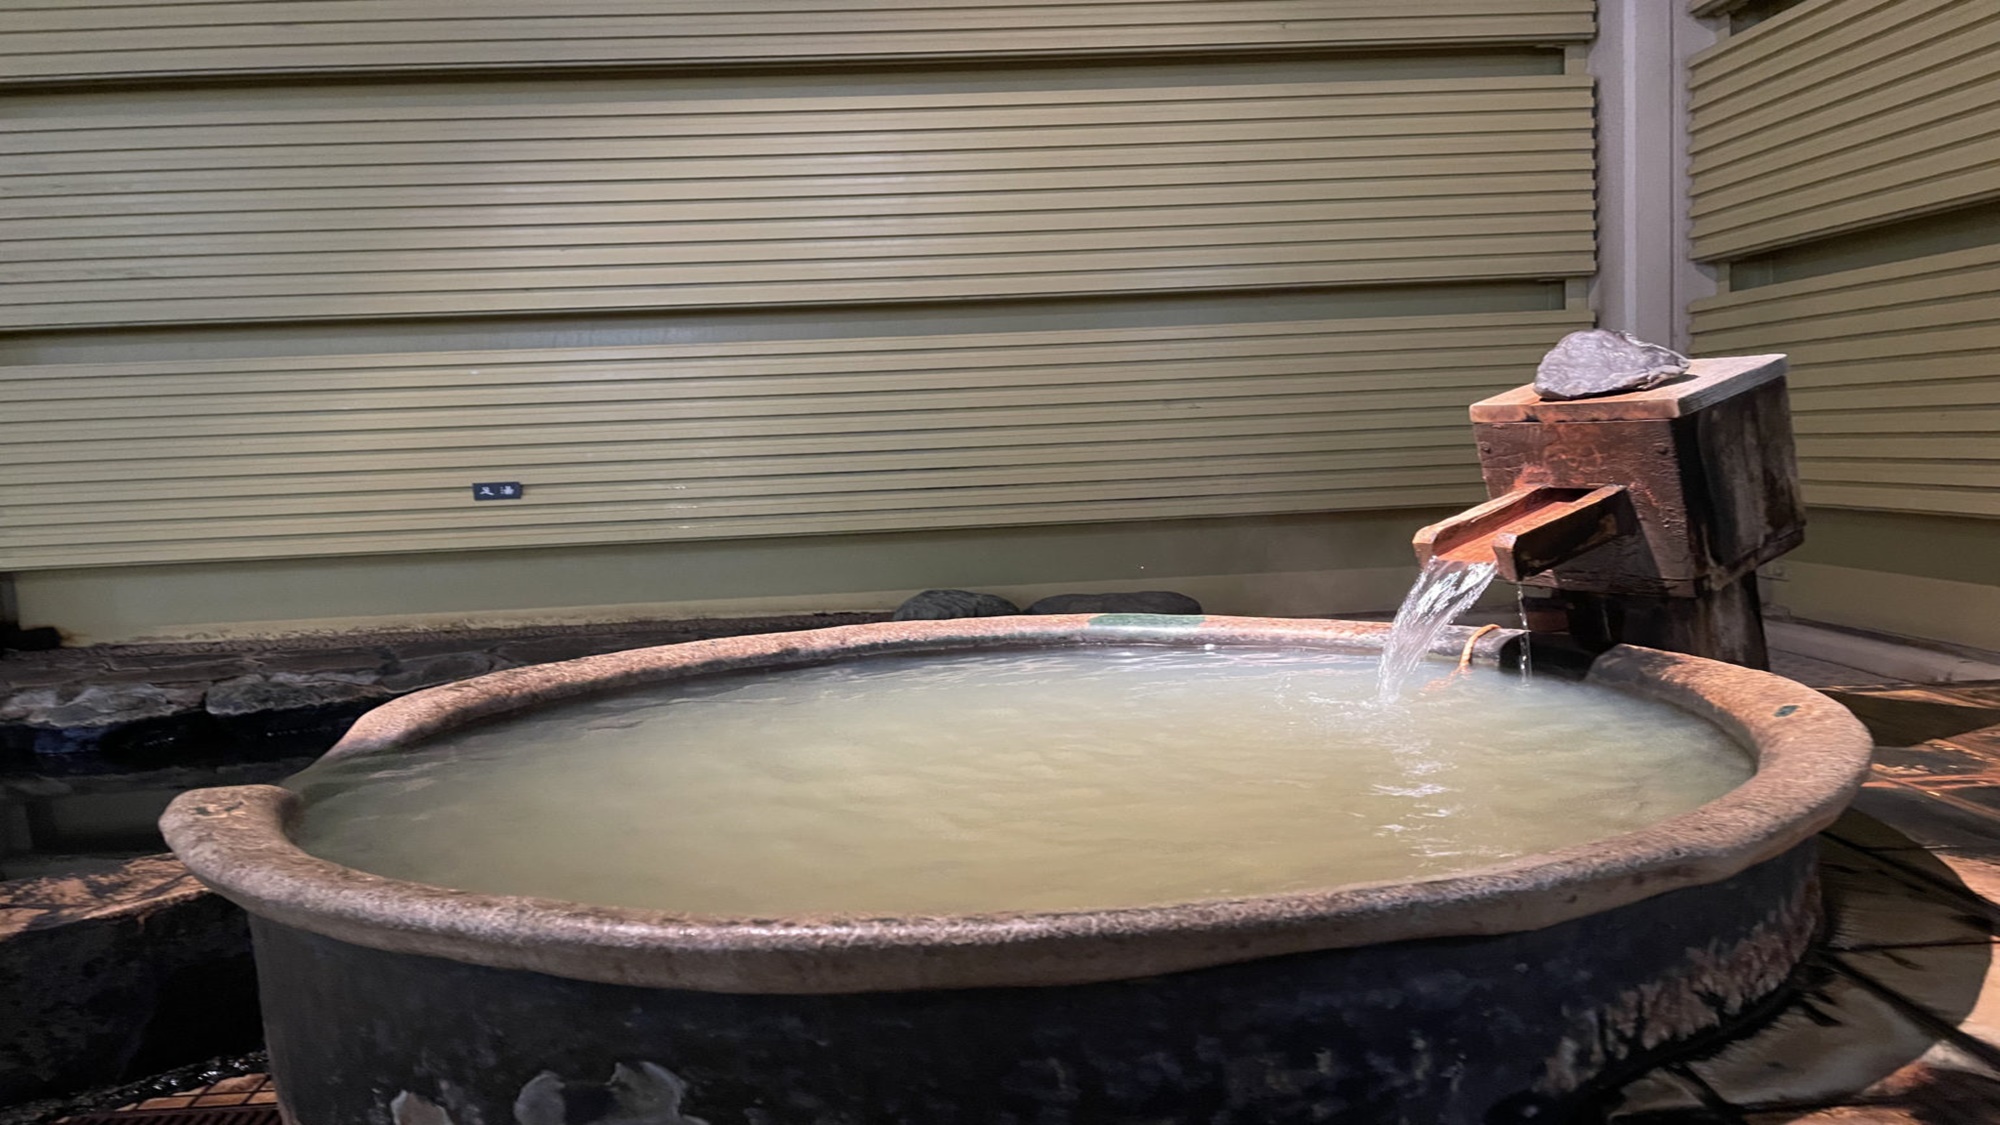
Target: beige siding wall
1844, 179
283, 280
1896, 378
79, 39
482, 199
1309, 564
145, 462
1841, 114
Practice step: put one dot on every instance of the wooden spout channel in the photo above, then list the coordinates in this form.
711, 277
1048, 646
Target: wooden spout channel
1530, 529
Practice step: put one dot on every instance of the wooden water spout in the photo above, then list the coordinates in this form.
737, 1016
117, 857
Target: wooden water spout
1530, 529
1638, 518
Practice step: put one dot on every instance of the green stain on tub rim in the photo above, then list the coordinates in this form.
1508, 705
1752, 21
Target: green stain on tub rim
1147, 621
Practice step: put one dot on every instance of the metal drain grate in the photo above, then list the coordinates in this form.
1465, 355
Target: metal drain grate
193, 1115
246, 1099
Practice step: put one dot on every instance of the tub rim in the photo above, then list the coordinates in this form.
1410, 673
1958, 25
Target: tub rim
1812, 756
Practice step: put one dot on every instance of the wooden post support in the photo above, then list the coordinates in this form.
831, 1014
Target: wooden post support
1706, 491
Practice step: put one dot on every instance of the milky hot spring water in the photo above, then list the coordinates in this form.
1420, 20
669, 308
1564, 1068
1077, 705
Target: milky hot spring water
1064, 779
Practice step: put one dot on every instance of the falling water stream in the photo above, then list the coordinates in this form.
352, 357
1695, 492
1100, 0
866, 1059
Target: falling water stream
1442, 592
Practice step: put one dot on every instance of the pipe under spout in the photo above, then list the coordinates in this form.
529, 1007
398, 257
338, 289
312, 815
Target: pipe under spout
1530, 529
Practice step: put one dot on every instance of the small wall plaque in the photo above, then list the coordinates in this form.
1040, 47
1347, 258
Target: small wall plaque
498, 490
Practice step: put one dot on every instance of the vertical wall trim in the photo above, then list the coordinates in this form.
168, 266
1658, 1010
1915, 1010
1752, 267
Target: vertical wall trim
1692, 280
1645, 277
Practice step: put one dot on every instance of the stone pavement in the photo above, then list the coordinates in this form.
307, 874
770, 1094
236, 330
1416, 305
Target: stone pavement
1895, 1018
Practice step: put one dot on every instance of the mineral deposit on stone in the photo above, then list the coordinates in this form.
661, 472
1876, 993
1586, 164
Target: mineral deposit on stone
289, 691
1603, 362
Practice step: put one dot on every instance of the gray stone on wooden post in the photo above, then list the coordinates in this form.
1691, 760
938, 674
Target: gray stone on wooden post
1602, 362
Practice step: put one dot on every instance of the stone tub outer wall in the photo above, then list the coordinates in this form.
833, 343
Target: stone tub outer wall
1453, 1030
1812, 756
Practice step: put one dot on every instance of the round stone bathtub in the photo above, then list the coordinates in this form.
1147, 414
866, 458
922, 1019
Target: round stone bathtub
1516, 991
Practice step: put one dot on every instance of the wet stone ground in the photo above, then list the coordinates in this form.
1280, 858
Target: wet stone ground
1895, 1018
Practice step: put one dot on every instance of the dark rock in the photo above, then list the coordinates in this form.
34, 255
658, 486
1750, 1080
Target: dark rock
139, 744
264, 736
42, 638
544, 650
144, 706
107, 976
443, 668
57, 729
291, 691
1143, 601
164, 669
1603, 362
22, 672
96, 705
262, 717
938, 605
408, 649
349, 660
